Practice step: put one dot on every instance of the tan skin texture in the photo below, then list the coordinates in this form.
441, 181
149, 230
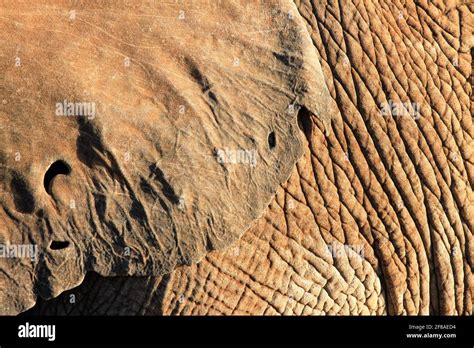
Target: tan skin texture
167, 156
398, 185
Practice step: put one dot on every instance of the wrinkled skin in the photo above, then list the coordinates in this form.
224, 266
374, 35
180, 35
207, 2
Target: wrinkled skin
146, 186
400, 186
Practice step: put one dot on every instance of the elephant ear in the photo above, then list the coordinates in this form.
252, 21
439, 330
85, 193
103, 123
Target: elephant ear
137, 138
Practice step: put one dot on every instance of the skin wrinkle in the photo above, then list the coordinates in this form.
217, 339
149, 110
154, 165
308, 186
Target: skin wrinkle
400, 192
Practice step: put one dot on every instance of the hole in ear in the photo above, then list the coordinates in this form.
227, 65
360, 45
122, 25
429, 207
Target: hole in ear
58, 245
57, 168
272, 140
305, 123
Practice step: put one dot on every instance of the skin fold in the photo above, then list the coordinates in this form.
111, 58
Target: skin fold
129, 147
397, 184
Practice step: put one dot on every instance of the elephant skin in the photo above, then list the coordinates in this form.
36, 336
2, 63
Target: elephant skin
398, 184
137, 138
